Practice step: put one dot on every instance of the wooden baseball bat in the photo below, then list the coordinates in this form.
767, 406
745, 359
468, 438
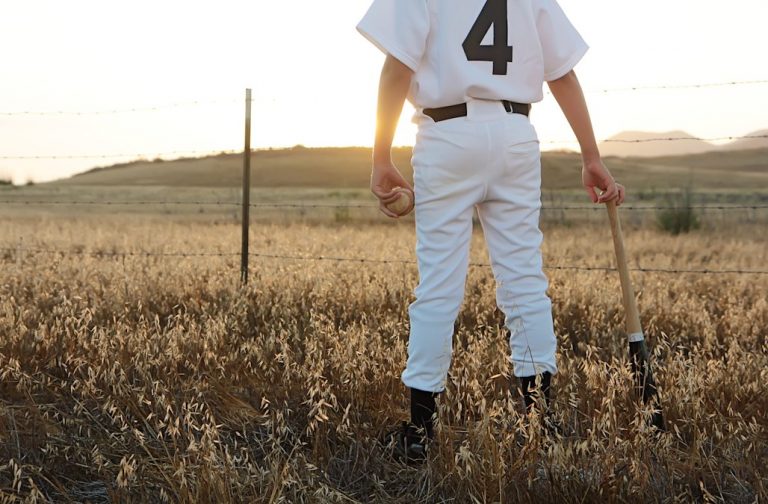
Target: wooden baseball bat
638, 350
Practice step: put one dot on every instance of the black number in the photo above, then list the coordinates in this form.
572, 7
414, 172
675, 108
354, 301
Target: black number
494, 14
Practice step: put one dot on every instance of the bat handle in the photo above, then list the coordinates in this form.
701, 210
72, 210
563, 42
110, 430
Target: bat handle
634, 328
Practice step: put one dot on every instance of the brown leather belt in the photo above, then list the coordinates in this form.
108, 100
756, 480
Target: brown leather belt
460, 110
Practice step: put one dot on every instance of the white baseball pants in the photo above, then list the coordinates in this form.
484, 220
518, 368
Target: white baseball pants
489, 160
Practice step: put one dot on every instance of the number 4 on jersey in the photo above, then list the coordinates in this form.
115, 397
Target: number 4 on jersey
494, 14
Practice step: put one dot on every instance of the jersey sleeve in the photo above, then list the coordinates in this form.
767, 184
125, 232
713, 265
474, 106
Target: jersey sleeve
562, 45
399, 28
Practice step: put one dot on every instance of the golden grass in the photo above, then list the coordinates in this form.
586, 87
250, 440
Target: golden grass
159, 379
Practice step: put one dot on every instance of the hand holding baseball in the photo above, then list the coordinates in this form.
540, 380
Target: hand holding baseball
403, 204
395, 195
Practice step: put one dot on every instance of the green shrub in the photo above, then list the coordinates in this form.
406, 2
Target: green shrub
341, 214
678, 215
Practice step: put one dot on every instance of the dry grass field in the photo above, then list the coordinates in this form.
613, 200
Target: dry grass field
159, 379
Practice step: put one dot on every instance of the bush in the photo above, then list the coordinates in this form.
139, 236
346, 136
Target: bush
678, 216
647, 194
5, 182
341, 214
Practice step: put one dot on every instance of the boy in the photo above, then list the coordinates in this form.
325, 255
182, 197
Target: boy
472, 68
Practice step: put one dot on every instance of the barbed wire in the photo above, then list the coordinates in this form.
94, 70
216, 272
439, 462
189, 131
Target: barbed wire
231, 101
486, 265
595, 207
147, 108
100, 253
362, 260
675, 86
146, 155
677, 139
662, 139
669, 207
357, 206
686, 86
120, 203
212, 152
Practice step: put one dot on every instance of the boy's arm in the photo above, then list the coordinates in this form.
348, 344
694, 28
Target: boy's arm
567, 91
393, 88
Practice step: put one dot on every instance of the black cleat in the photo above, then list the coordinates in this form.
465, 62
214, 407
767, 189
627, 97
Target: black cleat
551, 427
406, 444
537, 396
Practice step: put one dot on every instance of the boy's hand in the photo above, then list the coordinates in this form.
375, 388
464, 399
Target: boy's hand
384, 178
594, 174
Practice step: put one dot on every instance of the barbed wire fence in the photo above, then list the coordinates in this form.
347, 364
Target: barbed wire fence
592, 208
358, 260
149, 155
194, 103
20, 251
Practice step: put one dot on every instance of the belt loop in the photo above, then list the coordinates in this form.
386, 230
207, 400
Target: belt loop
507, 105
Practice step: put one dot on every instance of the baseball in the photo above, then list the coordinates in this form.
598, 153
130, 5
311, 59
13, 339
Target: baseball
402, 203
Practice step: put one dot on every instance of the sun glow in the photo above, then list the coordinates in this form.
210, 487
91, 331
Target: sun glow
315, 78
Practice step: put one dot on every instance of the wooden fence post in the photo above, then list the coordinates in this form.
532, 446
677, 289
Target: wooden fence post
246, 189
19, 252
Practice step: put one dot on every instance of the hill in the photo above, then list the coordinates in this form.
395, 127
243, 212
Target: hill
295, 167
349, 167
622, 144
750, 143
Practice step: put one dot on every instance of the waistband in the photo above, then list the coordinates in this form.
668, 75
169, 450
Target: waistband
475, 110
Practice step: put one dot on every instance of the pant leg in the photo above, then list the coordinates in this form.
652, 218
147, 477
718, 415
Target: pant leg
445, 194
509, 215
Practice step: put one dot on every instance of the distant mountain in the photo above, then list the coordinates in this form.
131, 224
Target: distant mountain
623, 144
749, 143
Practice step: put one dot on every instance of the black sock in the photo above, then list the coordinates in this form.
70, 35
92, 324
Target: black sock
422, 409
528, 386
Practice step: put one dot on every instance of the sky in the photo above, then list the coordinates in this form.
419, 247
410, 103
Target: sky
314, 78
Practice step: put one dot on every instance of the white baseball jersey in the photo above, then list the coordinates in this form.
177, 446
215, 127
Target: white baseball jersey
483, 49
